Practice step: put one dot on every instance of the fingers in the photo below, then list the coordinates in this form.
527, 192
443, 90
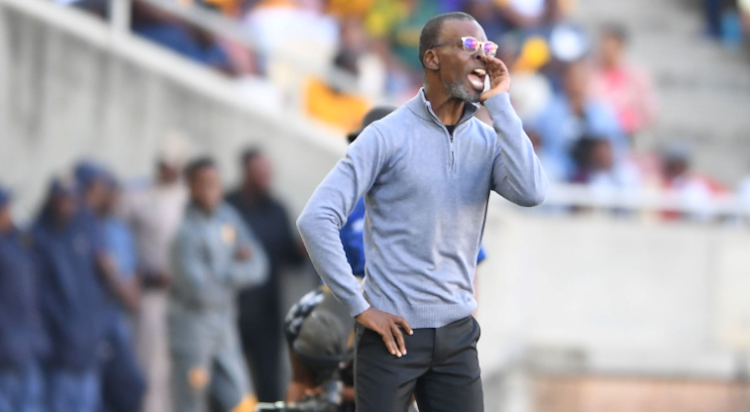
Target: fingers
390, 343
395, 335
394, 338
502, 65
387, 326
404, 324
494, 63
399, 338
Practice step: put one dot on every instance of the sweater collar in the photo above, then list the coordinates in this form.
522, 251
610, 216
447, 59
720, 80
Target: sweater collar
420, 106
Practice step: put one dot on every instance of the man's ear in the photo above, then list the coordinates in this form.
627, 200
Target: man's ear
431, 60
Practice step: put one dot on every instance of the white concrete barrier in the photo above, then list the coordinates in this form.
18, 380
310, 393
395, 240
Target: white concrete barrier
616, 295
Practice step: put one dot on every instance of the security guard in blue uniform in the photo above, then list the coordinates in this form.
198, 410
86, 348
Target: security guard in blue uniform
70, 250
122, 382
22, 340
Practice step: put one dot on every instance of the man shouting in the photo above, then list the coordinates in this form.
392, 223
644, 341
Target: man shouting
426, 172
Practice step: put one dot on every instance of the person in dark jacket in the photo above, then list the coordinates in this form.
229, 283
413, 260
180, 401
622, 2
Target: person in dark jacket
260, 318
22, 341
71, 257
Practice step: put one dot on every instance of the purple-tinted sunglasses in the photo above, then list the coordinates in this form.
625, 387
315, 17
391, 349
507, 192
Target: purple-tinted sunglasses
472, 45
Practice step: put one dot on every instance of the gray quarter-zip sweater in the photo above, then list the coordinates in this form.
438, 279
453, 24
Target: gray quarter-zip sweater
426, 195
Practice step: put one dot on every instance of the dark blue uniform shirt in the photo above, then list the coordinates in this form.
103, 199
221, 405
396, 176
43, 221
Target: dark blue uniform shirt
72, 295
22, 339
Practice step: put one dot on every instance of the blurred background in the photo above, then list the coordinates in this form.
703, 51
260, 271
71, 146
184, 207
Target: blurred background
629, 290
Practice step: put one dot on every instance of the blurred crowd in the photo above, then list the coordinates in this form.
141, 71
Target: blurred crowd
581, 98
162, 296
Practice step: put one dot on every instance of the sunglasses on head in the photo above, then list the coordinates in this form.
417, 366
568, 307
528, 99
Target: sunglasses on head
472, 45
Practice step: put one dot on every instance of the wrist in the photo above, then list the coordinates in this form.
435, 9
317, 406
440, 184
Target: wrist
358, 305
358, 317
497, 104
492, 93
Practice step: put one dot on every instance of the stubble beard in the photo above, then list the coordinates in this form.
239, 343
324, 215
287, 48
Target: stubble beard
458, 90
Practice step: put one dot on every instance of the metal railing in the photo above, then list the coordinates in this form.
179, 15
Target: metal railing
727, 205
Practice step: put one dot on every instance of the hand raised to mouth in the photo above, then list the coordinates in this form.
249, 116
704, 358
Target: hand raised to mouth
499, 77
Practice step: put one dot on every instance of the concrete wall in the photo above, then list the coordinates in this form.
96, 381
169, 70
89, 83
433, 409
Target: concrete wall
65, 98
583, 293
637, 395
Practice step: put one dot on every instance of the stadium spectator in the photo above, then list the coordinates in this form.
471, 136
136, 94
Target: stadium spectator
154, 214
555, 171
404, 37
532, 90
71, 260
369, 64
189, 41
625, 87
383, 16
213, 257
692, 190
297, 28
488, 15
530, 14
598, 168
574, 113
260, 318
367, 71
240, 58
332, 105
22, 339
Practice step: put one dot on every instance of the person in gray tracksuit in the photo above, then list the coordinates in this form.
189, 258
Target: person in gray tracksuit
213, 256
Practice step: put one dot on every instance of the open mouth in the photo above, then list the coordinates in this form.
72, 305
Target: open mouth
476, 78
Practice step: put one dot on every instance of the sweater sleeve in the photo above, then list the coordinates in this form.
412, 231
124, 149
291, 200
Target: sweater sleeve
253, 270
328, 209
517, 174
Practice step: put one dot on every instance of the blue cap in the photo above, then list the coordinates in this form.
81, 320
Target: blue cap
86, 172
4, 197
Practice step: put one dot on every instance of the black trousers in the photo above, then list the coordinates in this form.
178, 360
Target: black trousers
440, 369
